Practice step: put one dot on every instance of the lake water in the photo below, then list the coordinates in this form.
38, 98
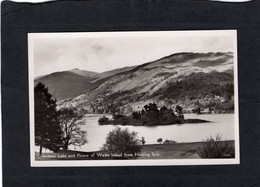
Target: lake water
220, 123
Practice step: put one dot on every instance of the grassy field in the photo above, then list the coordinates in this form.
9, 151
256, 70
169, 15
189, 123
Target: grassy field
149, 151
170, 151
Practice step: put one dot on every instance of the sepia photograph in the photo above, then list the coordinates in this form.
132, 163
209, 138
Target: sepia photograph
139, 98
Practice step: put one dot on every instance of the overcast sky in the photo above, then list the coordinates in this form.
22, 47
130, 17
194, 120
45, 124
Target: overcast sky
105, 51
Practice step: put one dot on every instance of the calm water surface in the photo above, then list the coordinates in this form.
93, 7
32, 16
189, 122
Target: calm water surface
220, 123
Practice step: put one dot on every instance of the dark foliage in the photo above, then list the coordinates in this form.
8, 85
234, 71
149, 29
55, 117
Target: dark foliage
178, 110
122, 141
103, 120
124, 120
167, 116
150, 115
169, 142
198, 86
48, 132
215, 148
143, 140
159, 140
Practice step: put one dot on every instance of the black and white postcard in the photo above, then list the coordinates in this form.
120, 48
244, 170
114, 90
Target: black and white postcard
133, 98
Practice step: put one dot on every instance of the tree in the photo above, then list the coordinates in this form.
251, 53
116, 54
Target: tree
103, 120
151, 115
167, 116
70, 121
178, 110
143, 140
167, 142
48, 132
159, 140
137, 115
122, 141
197, 107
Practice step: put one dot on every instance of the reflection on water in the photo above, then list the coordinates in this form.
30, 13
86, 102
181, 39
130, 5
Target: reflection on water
220, 123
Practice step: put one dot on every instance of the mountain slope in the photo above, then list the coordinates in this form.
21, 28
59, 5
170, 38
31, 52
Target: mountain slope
72, 83
182, 78
86, 74
63, 85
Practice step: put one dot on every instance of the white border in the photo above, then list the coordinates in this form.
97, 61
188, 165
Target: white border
155, 162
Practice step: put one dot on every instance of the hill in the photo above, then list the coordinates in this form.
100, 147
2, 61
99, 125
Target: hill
72, 83
187, 79
67, 84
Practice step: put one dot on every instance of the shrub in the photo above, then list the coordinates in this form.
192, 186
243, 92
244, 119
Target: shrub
169, 142
122, 141
215, 148
103, 120
159, 140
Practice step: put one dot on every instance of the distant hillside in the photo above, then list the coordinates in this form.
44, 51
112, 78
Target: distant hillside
87, 74
63, 85
72, 83
188, 79
114, 72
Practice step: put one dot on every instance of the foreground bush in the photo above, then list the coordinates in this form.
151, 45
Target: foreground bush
215, 148
122, 141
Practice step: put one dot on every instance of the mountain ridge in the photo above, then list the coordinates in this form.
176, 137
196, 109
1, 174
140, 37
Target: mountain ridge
139, 84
